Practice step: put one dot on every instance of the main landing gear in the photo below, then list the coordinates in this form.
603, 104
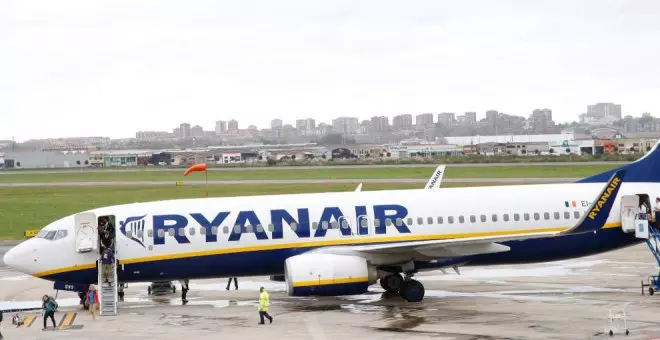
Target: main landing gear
409, 289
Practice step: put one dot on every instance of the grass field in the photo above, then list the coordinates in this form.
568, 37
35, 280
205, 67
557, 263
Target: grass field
33, 208
549, 171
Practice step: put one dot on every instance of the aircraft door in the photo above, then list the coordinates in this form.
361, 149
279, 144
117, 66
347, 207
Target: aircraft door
86, 232
629, 212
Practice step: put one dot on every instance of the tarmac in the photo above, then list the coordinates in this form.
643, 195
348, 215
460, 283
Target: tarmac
291, 181
559, 300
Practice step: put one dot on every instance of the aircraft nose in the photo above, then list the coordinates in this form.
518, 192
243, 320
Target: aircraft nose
16, 258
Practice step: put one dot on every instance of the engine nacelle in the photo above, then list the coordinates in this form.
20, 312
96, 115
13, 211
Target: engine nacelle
328, 274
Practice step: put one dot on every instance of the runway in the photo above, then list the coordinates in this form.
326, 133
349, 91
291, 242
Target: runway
291, 181
556, 300
249, 168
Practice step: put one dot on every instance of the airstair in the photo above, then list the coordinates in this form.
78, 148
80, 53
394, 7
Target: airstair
108, 291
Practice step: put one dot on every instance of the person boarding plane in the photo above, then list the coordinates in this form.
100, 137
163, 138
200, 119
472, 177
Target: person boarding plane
340, 243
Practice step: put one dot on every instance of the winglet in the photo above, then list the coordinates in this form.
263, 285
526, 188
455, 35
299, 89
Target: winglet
600, 208
436, 178
359, 187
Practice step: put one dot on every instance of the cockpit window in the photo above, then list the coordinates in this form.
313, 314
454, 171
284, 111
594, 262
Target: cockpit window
60, 234
52, 235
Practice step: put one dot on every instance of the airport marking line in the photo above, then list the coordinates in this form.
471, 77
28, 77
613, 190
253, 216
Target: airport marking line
353, 241
28, 321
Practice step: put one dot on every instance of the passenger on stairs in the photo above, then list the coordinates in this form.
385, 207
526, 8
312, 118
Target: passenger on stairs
656, 210
108, 261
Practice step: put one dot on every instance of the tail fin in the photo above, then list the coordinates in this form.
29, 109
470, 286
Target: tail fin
645, 169
600, 209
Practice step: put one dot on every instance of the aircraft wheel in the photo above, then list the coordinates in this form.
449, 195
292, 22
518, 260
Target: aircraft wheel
391, 283
412, 291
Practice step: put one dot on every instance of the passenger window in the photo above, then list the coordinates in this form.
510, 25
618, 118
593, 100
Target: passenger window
344, 224
516, 217
399, 221
461, 219
546, 215
214, 231
150, 232
324, 226
377, 223
429, 220
171, 231
260, 228
294, 226
494, 217
182, 232
388, 222
505, 217
363, 223
537, 216
202, 231
225, 229
439, 219
410, 221
483, 218
192, 232
450, 219
420, 220
334, 225
161, 233
557, 215
473, 218
249, 228
526, 216
237, 229
576, 214
271, 227
567, 215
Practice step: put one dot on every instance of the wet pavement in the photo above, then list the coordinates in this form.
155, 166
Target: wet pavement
559, 300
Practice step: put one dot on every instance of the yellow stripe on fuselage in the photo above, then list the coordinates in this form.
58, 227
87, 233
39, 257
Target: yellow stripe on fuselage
320, 243
330, 281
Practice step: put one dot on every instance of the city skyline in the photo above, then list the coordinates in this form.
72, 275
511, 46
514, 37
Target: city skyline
110, 69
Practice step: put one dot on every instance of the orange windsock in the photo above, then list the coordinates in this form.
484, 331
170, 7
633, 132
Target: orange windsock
196, 167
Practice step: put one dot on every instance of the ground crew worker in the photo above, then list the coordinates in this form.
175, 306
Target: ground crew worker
184, 291
264, 302
49, 305
235, 282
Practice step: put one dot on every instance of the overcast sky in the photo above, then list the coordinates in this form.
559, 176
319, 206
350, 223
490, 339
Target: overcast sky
110, 68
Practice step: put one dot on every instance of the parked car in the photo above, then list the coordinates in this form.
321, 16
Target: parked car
161, 287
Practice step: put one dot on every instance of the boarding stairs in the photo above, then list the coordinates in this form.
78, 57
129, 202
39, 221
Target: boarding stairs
649, 232
108, 291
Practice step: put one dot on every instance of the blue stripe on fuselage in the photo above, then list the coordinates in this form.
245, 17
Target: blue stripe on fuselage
270, 262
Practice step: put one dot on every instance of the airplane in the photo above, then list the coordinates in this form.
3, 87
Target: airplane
341, 243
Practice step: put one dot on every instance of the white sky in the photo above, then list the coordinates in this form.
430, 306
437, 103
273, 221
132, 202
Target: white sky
88, 67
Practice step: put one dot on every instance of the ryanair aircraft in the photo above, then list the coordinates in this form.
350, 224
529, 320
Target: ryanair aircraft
340, 243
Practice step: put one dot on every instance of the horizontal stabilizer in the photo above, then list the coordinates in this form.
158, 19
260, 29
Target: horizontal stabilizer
596, 216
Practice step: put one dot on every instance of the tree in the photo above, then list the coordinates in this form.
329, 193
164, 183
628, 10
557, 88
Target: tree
293, 157
271, 161
523, 151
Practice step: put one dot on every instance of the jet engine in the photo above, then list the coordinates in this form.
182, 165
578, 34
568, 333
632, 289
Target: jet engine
328, 274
